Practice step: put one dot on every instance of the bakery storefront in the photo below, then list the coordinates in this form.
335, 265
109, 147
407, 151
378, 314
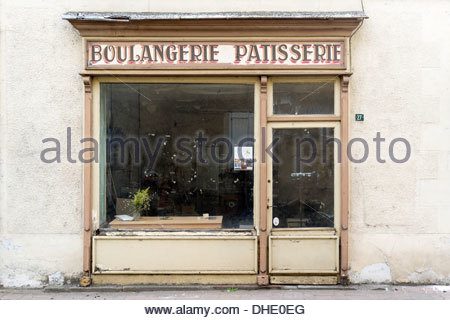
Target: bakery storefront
219, 139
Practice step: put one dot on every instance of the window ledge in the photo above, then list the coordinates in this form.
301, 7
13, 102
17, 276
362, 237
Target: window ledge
175, 232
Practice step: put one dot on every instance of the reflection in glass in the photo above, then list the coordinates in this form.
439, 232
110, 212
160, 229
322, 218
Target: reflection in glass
174, 126
297, 98
303, 178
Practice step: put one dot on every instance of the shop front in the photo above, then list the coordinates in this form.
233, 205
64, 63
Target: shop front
220, 141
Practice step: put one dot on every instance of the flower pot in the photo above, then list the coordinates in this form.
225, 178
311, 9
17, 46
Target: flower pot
137, 215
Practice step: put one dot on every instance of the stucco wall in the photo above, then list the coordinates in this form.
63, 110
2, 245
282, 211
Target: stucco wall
400, 222
400, 213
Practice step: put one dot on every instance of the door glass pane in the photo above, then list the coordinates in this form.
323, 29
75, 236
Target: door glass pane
303, 178
179, 142
297, 98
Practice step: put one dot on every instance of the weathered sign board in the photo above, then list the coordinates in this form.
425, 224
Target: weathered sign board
215, 55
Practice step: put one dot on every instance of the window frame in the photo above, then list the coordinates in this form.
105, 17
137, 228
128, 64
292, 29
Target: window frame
306, 117
98, 185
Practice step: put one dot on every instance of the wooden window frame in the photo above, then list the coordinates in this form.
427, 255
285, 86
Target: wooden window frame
260, 214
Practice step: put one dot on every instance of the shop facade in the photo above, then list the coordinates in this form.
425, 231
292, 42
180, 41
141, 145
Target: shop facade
242, 134
264, 217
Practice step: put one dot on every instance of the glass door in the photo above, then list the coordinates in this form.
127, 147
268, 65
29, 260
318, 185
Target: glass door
303, 180
304, 202
303, 176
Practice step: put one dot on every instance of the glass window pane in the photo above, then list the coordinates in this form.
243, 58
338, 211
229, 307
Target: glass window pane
177, 142
303, 178
297, 98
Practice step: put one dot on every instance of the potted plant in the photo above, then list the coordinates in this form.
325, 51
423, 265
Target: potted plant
141, 202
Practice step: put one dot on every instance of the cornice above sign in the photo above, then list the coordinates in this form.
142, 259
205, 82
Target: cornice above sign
239, 24
140, 54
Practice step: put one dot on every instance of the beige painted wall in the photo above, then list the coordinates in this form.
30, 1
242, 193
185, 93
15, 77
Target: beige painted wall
400, 213
400, 221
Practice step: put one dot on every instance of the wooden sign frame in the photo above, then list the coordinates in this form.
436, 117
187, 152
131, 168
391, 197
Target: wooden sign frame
266, 61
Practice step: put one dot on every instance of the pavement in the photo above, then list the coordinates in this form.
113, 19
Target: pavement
354, 292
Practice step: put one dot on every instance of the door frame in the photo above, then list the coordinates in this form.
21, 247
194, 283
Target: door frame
340, 117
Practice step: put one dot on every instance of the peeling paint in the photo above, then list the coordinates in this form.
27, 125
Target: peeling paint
19, 281
127, 233
427, 276
8, 245
56, 279
135, 16
375, 273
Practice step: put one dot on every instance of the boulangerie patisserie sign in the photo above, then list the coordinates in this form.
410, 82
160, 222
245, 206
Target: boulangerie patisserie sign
215, 55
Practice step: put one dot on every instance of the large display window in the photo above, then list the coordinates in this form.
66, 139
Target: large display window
178, 155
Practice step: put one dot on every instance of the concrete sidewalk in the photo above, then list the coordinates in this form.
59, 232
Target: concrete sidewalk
222, 293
